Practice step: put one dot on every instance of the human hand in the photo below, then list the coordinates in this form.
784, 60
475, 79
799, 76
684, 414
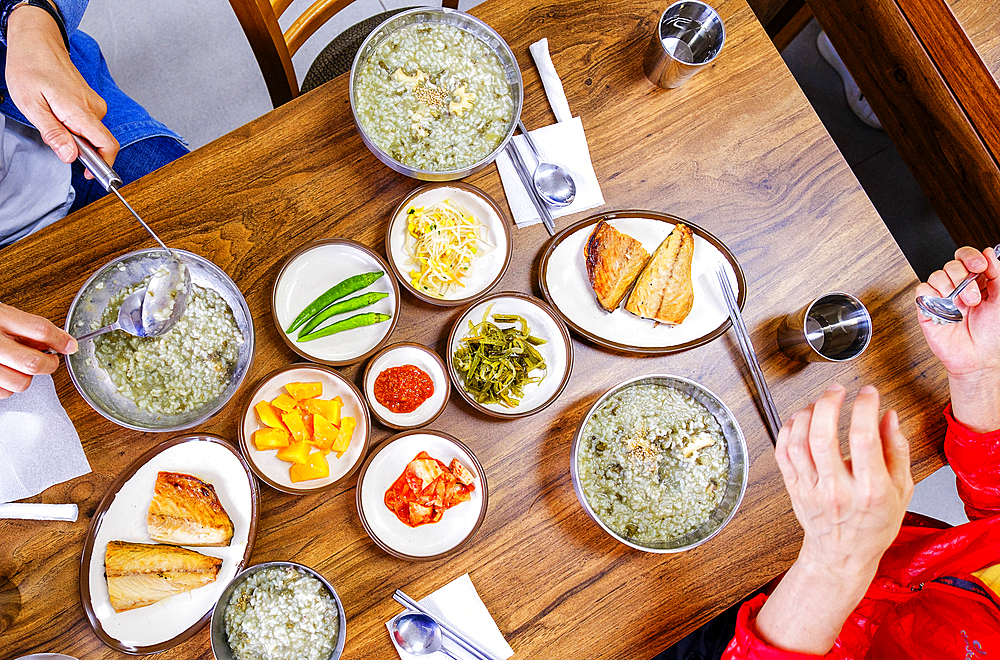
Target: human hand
48, 89
850, 511
969, 350
23, 337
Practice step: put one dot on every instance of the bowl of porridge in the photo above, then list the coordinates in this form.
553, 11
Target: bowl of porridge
659, 463
436, 93
178, 379
278, 609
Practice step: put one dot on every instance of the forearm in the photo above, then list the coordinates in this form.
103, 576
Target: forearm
975, 401
808, 608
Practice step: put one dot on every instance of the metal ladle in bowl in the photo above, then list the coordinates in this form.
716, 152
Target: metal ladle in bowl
944, 310
553, 183
152, 311
419, 634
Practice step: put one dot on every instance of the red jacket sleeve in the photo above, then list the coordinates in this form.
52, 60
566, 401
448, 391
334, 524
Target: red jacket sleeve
747, 646
975, 458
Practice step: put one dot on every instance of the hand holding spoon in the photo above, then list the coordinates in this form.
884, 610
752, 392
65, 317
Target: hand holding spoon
419, 634
944, 310
554, 184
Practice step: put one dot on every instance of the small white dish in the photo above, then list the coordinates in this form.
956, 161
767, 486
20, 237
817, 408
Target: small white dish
398, 355
313, 269
543, 323
121, 516
432, 541
273, 471
487, 268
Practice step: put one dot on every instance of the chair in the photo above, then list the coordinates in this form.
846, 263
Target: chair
274, 49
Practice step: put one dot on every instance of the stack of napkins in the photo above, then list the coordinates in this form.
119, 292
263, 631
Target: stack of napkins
39, 446
563, 143
458, 603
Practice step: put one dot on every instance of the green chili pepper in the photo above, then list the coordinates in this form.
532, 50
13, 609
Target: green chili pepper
349, 305
358, 321
348, 286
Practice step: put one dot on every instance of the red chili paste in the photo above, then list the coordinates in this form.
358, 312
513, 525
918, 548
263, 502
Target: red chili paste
403, 389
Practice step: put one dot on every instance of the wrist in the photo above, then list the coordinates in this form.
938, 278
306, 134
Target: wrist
975, 400
38, 17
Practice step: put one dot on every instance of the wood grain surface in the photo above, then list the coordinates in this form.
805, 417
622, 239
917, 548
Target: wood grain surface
737, 150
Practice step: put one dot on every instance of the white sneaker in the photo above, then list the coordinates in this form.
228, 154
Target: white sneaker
855, 99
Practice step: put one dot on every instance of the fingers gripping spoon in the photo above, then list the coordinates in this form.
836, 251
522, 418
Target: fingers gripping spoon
154, 310
944, 310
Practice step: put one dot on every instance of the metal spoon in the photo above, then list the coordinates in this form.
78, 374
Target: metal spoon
944, 310
419, 634
554, 184
152, 311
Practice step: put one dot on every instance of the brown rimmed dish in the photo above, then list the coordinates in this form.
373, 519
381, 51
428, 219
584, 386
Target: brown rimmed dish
274, 472
316, 267
165, 624
432, 541
487, 269
420, 356
562, 276
543, 322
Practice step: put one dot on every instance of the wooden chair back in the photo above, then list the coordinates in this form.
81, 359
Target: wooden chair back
274, 48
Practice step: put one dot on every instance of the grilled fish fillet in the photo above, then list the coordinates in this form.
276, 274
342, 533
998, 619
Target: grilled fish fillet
664, 291
186, 511
614, 260
141, 574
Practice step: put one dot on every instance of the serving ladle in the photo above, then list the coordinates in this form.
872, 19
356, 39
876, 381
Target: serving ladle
419, 634
152, 311
944, 310
553, 183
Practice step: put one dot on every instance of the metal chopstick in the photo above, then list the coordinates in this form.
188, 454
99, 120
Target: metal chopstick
767, 407
529, 187
453, 633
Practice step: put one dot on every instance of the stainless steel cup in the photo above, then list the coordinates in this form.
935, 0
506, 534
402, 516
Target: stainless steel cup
834, 327
688, 36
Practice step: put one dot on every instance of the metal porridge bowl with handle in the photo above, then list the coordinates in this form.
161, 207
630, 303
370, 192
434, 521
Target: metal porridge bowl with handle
736, 478
94, 383
466, 23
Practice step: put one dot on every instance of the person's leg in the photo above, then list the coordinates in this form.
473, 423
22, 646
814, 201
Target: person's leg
133, 162
709, 641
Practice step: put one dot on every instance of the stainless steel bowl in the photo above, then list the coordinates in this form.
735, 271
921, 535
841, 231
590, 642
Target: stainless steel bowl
93, 382
220, 640
736, 446
473, 26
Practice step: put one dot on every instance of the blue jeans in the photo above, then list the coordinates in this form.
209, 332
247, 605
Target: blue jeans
133, 162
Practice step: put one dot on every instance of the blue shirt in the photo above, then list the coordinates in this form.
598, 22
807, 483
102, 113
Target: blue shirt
35, 188
127, 120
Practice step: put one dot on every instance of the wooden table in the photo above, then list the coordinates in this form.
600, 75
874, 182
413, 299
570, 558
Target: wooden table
737, 150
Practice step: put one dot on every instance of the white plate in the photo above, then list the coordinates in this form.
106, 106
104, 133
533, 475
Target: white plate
433, 540
122, 517
565, 284
487, 269
314, 269
543, 323
421, 357
272, 470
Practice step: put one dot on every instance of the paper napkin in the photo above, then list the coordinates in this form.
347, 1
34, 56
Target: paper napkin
39, 446
458, 603
565, 144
